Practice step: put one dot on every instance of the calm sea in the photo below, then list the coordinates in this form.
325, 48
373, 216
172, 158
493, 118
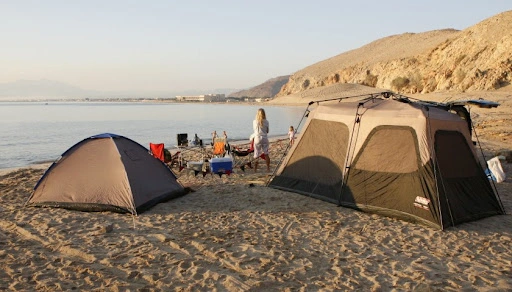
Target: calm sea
35, 132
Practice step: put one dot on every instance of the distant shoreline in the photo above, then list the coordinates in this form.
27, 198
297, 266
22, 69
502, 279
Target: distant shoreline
250, 103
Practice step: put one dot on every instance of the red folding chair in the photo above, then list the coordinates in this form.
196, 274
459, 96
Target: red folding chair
157, 150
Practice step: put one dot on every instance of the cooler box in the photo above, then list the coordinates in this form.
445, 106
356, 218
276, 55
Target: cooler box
222, 164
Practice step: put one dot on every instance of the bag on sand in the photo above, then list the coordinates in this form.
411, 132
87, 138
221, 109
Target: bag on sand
496, 170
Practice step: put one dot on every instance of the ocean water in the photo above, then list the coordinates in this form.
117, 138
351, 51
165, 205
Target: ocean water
36, 132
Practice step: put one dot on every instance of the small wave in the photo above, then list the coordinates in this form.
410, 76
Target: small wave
43, 161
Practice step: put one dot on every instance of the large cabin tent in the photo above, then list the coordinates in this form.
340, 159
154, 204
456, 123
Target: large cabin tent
106, 172
392, 156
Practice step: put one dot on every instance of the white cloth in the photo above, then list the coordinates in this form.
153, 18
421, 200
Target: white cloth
496, 169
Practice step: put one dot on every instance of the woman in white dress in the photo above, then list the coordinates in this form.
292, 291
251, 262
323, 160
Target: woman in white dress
260, 128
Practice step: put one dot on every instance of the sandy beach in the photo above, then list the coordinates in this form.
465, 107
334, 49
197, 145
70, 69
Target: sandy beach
234, 234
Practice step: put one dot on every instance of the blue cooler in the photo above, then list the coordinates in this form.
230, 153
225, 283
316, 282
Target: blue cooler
223, 164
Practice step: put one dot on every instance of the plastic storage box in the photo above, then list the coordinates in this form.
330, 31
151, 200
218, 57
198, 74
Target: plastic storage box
195, 165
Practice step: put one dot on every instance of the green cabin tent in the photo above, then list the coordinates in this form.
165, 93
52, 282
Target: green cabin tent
106, 172
391, 156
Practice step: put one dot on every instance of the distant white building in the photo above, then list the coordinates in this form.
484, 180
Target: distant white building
202, 98
259, 99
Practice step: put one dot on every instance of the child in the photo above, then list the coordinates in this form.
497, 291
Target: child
291, 135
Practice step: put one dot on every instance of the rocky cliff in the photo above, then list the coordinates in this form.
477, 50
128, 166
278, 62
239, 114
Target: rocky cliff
475, 59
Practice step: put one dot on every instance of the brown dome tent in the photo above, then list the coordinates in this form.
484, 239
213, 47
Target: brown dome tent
392, 156
106, 172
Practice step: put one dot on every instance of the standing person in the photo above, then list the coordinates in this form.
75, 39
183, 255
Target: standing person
260, 127
291, 135
214, 135
228, 148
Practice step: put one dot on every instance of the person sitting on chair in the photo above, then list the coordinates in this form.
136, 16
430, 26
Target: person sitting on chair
196, 140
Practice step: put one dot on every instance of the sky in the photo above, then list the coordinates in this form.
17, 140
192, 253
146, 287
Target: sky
202, 45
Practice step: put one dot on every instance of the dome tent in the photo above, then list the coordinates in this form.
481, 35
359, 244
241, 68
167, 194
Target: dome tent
106, 172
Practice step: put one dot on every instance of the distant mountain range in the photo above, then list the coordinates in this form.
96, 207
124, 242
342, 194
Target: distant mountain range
32, 89
23, 89
42, 88
268, 88
478, 58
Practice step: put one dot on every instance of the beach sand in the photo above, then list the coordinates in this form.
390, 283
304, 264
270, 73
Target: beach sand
234, 234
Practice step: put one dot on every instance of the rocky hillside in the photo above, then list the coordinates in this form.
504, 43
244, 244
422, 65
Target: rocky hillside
475, 59
268, 89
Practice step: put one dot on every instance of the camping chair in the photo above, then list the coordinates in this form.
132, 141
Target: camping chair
182, 140
173, 160
238, 152
219, 147
158, 151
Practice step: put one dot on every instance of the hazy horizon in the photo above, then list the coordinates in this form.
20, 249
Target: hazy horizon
50, 89
200, 46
